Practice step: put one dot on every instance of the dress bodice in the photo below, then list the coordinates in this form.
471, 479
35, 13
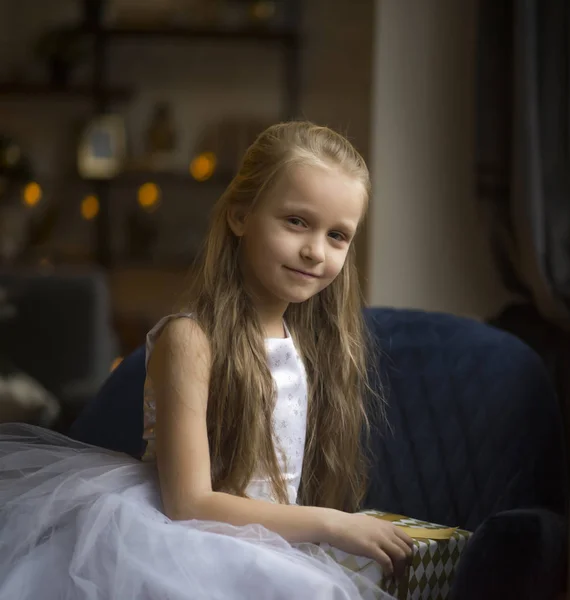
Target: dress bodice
289, 414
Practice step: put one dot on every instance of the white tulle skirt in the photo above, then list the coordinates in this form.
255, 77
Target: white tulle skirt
78, 522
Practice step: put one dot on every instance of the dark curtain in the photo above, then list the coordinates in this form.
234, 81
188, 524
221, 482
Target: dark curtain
523, 168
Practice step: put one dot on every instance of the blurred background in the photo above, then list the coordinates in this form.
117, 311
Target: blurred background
121, 122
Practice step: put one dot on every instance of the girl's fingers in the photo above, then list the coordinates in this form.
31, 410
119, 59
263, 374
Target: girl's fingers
404, 537
398, 556
407, 550
383, 560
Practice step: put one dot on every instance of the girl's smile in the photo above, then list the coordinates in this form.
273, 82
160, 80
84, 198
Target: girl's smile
303, 274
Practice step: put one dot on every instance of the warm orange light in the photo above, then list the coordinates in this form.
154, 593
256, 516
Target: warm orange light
263, 11
31, 194
90, 207
116, 362
148, 196
203, 166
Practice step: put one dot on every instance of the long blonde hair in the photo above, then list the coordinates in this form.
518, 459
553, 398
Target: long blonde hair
241, 395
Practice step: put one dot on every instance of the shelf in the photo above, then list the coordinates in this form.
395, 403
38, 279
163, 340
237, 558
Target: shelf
161, 177
191, 33
43, 90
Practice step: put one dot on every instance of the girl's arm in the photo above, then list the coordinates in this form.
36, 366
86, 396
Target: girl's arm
180, 370
179, 367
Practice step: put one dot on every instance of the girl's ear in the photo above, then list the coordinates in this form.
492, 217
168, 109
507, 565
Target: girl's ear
237, 217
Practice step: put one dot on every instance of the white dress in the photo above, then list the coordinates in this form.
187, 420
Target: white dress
83, 523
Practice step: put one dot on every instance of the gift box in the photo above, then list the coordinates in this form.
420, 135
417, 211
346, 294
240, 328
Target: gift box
436, 554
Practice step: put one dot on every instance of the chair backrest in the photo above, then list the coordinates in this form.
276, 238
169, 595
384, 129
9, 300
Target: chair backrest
475, 424
114, 418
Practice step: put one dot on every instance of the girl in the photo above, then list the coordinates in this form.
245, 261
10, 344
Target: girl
254, 408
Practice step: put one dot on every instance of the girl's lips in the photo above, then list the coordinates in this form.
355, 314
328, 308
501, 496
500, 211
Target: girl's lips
303, 273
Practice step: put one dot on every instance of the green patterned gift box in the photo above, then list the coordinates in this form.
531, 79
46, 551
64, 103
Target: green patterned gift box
435, 558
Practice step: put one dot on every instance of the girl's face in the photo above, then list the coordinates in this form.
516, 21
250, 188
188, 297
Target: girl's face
295, 241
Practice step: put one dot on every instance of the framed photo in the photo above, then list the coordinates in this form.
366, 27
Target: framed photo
102, 148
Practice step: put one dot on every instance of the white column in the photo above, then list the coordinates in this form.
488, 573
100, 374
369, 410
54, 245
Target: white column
427, 245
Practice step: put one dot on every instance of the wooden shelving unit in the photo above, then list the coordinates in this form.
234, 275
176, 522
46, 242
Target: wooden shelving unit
22, 90
101, 95
250, 34
288, 41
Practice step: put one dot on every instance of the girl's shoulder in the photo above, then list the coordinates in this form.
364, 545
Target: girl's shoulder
178, 332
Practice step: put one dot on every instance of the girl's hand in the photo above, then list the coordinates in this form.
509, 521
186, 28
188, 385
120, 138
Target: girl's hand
364, 535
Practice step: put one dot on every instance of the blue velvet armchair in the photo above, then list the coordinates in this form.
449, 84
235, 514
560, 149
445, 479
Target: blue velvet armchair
474, 438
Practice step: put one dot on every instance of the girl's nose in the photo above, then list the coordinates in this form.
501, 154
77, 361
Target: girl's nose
314, 251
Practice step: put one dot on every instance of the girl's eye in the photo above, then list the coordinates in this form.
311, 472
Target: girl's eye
336, 235
295, 221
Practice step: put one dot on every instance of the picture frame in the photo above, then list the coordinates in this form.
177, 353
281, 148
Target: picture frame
101, 152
